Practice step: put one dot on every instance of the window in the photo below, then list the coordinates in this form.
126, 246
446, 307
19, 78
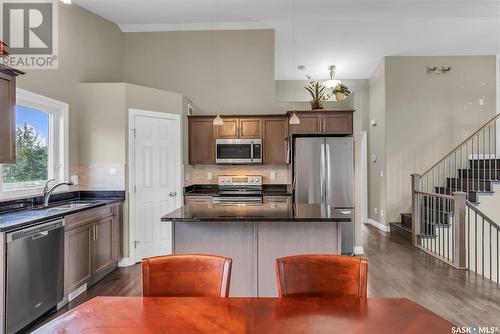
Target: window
41, 146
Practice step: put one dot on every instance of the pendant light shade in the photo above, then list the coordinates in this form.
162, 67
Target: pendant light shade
294, 120
218, 120
332, 83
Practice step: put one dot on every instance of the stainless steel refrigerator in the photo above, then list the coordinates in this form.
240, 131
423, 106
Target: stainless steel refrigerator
324, 174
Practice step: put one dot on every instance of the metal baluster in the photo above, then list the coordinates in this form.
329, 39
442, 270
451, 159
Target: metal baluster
484, 165
478, 166
471, 163
489, 153
491, 276
475, 242
498, 259
482, 245
468, 237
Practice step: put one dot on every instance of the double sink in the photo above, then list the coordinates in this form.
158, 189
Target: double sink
67, 206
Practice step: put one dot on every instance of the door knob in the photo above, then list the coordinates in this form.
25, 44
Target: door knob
173, 193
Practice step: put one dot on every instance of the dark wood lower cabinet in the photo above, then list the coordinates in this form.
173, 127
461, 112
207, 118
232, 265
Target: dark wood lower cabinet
77, 257
103, 244
93, 244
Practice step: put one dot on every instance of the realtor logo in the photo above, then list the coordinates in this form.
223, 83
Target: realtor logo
29, 28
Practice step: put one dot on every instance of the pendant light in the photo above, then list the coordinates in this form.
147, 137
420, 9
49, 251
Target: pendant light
218, 120
294, 120
332, 83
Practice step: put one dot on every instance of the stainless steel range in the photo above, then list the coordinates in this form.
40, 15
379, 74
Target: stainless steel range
244, 190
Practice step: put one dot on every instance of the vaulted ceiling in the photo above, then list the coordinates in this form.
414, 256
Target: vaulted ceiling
355, 35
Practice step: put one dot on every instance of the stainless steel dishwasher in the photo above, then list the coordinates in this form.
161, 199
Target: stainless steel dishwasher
35, 272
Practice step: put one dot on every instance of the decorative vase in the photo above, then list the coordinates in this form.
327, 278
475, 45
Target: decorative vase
340, 96
317, 104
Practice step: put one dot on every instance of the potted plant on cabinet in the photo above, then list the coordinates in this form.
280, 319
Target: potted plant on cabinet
341, 92
317, 91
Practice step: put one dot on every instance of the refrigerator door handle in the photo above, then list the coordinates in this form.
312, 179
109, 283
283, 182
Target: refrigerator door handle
328, 177
322, 173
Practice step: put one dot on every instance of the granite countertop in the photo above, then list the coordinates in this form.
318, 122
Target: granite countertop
213, 190
269, 213
27, 216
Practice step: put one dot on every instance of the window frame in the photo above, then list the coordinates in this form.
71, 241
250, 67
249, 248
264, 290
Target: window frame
58, 144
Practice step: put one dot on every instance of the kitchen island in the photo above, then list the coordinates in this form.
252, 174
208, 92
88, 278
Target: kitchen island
254, 236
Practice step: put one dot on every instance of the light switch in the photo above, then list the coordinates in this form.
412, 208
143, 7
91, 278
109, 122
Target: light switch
376, 210
381, 212
209, 175
381, 173
187, 176
112, 171
481, 101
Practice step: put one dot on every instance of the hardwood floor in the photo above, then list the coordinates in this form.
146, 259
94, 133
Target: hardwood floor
395, 269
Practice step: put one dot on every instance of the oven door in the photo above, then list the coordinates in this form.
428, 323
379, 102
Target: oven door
235, 151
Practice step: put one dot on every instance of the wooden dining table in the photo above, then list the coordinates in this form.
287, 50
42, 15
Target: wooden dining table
247, 315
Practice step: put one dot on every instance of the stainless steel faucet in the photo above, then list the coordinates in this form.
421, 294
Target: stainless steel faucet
47, 192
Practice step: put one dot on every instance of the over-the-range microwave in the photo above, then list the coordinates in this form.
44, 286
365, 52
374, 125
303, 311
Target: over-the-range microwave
238, 151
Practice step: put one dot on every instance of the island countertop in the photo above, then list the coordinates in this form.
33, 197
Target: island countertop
269, 213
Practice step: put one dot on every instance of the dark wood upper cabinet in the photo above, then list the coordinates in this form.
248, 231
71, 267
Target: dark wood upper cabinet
275, 146
201, 140
309, 124
339, 123
229, 129
8, 114
328, 122
250, 128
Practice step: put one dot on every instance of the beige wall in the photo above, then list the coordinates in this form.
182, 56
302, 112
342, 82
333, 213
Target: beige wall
89, 51
426, 115
376, 145
193, 62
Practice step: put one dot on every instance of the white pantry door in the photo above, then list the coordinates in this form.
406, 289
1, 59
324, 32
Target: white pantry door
157, 176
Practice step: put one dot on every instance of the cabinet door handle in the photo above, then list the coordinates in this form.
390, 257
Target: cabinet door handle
172, 194
96, 232
324, 126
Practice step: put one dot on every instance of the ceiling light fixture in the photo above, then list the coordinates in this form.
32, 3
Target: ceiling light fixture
67, 2
294, 120
218, 120
332, 83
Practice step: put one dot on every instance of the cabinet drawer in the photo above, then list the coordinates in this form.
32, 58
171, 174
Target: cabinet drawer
277, 199
197, 199
88, 216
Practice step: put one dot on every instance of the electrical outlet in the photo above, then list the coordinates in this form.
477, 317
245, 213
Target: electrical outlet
209, 175
481, 101
74, 179
381, 212
112, 171
381, 173
273, 175
187, 176
376, 211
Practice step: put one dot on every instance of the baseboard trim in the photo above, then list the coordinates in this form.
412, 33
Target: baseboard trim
126, 262
380, 226
358, 250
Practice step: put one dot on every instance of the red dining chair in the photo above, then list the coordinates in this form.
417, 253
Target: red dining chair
321, 275
186, 275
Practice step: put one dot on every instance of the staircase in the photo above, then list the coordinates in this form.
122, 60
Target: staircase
478, 178
445, 221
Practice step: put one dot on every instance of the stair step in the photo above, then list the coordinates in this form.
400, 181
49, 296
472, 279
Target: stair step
469, 184
400, 230
472, 195
485, 163
406, 220
482, 174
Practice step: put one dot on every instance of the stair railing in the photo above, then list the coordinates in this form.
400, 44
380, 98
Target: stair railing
482, 244
462, 168
439, 226
446, 224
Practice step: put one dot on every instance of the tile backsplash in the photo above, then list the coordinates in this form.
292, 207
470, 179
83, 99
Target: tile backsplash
100, 176
199, 174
